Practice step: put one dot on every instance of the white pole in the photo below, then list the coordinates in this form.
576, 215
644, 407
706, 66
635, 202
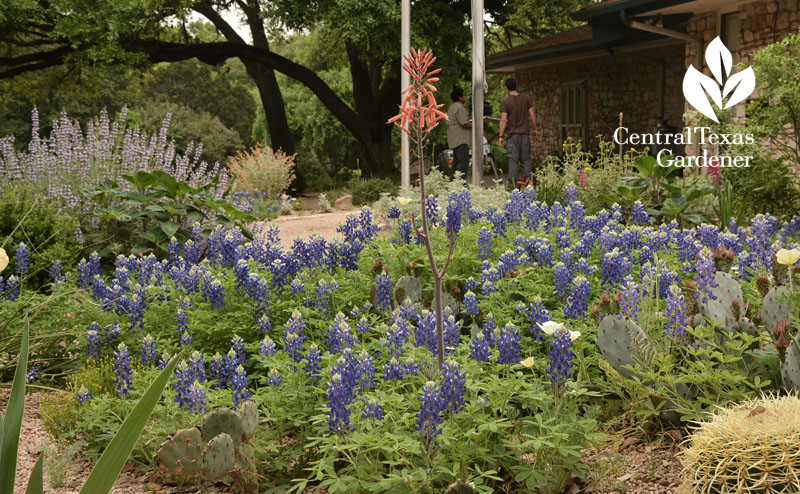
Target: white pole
478, 87
405, 81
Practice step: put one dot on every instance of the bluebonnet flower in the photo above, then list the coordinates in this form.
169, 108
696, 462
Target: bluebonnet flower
241, 273
576, 212
383, 292
451, 329
488, 328
629, 305
425, 331
407, 310
372, 410
163, 361
410, 367
429, 416
173, 250
571, 193
499, 221
393, 212
182, 327
197, 367
93, 344
638, 214
704, 276
110, 332
432, 209
470, 303
362, 326
323, 299
366, 370
196, 398
457, 204
453, 386
562, 277
484, 243
181, 384
293, 345
237, 345
274, 378
338, 399
218, 371
313, 363
563, 239
214, 293
404, 232
267, 347
122, 370
393, 369
137, 306
22, 259
675, 314
543, 252
615, 267
471, 284
88, 270
578, 299
508, 345
297, 286
560, 356
31, 375
339, 334
508, 261
479, 348
55, 272
147, 353
238, 385
83, 394
264, 324
708, 235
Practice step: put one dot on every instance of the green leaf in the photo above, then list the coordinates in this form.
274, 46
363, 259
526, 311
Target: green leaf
141, 179
110, 464
170, 227
646, 164
9, 442
35, 482
167, 181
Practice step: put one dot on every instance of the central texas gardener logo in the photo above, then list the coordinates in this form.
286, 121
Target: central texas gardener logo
698, 87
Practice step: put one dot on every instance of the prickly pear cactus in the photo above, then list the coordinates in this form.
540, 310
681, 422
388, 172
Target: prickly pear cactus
450, 301
408, 286
219, 457
616, 338
248, 413
790, 368
245, 471
181, 456
720, 310
222, 421
776, 307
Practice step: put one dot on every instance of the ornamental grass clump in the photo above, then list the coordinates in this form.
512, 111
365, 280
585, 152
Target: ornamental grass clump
263, 170
750, 448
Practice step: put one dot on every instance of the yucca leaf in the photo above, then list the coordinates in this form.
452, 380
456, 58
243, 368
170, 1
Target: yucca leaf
110, 464
13, 421
35, 482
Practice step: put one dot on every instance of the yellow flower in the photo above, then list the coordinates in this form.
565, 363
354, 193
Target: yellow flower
528, 362
403, 200
783, 256
551, 327
587, 169
574, 335
3, 259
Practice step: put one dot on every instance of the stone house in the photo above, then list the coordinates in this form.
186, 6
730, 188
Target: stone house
630, 57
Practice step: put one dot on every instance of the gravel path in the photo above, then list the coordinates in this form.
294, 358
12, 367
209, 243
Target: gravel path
305, 225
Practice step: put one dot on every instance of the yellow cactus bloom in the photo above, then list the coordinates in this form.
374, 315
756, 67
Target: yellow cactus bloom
3, 259
403, 200
527, 363
551, 327
783, 256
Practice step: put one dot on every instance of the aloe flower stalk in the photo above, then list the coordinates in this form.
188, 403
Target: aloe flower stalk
419, 115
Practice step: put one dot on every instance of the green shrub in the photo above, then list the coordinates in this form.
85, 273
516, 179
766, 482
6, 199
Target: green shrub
367, 191
263, 170
36, 222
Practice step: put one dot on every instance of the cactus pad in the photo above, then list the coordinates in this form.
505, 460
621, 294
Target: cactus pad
450, 301
182, 454
408, 286
776, 307
616, 339
248, 413
790, 368
219, 457
727, 291
222, 421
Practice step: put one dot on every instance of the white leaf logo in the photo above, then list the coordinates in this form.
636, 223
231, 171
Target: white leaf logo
698, 87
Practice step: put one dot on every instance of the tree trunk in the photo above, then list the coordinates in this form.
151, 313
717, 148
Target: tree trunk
274, 108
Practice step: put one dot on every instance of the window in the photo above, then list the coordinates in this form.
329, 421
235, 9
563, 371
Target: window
729, 32
573, 112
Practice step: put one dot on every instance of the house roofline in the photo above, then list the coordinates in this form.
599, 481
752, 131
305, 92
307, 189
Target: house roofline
613, 7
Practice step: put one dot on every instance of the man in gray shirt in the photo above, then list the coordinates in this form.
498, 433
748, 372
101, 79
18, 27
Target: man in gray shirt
518, 121
459, 135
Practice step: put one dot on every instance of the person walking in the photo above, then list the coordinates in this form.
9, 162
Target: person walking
518, 122
459, 135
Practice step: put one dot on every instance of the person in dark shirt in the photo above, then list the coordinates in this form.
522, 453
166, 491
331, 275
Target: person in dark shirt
518, 123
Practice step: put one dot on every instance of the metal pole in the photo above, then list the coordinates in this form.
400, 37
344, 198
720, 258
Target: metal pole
478, 87
405, 81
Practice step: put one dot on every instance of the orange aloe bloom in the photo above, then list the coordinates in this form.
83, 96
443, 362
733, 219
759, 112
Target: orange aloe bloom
419, 110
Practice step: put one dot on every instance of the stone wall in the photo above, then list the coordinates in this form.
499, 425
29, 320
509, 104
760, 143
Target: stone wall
613, 83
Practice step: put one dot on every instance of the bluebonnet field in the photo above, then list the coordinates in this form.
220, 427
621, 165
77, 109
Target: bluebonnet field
335, 340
